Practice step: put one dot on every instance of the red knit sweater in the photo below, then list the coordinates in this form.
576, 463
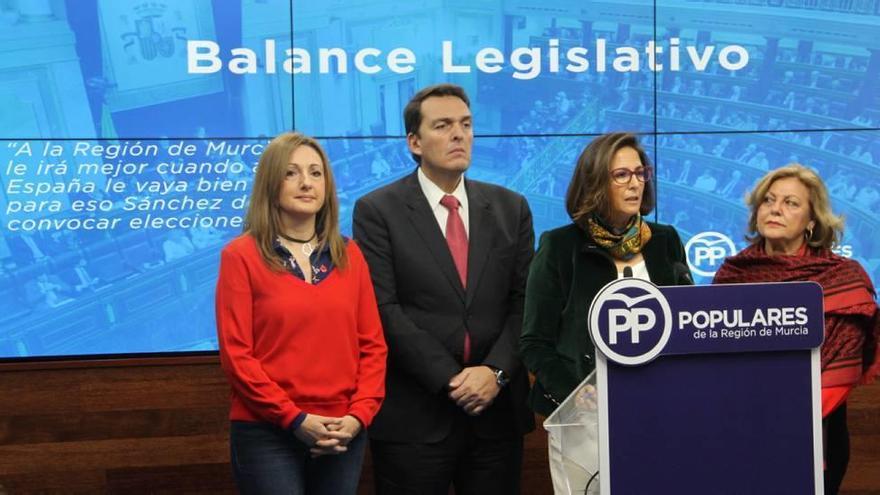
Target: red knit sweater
287, 346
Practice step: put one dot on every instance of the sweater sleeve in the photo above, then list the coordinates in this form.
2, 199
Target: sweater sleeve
833, 397
373, 352
235, 334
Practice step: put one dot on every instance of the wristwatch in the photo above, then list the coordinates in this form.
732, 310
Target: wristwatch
500, 377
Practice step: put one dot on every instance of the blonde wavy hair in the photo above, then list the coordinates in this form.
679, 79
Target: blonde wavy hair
828, 227
263, 219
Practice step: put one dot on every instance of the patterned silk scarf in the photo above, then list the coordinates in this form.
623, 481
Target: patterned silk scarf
850, 353
622, 246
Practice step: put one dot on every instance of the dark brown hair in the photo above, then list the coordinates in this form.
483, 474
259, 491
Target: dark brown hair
412, 113
263, 219
588, 189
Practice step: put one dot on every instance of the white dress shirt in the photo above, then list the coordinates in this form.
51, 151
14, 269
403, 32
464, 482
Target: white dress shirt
640, 270
435, 194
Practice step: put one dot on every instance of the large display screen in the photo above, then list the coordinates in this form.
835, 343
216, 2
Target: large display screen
130, 129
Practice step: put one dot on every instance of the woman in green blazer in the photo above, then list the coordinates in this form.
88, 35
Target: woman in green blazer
610, 191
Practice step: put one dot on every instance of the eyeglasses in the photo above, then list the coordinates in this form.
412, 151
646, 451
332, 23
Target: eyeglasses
624, 175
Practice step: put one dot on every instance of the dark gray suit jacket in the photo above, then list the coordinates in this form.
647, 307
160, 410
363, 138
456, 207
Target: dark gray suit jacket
425, 309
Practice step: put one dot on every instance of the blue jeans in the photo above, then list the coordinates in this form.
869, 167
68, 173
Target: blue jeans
269, 460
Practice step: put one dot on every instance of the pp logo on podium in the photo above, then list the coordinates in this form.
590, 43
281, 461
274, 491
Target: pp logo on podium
630, 321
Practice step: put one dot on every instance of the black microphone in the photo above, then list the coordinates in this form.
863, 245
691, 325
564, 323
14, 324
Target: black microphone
627, 272
681, 274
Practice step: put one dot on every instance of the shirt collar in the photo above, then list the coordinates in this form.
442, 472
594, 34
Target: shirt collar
435, 194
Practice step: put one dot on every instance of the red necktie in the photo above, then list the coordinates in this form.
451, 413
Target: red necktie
456, 238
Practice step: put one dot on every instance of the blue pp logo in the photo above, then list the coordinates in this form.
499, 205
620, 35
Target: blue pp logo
707, 250
630, 321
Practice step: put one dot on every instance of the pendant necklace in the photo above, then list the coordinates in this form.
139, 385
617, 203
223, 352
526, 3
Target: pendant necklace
307, 248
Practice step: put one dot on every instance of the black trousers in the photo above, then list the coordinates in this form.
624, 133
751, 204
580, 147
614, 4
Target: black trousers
471, 464
836, 449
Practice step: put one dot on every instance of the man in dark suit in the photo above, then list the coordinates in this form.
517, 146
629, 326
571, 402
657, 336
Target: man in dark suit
449, 258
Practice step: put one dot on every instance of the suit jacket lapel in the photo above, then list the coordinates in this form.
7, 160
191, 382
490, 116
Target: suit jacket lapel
656, 258
425, 223
480, 233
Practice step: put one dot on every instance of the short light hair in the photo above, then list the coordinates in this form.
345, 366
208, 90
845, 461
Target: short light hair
828, 228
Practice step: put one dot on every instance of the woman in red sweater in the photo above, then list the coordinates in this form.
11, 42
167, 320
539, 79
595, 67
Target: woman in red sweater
300, 337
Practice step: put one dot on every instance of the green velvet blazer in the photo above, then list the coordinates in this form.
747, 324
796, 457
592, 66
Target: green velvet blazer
566, 273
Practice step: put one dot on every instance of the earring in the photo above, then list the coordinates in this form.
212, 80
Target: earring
808, 233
